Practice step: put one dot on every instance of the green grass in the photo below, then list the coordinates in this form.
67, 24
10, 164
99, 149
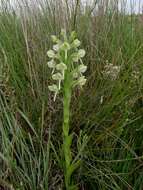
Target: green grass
108, 111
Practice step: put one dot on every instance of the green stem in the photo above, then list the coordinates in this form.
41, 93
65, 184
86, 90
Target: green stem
66, 98
66, 105
67, 139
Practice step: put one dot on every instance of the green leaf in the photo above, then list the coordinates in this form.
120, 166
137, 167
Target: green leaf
73, 167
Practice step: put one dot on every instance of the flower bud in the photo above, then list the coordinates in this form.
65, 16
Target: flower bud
54, 38
73, 35
76, 43
63, 32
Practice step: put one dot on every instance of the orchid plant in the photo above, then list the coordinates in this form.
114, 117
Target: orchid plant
67, 70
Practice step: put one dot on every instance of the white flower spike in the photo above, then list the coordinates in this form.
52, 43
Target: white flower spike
65, 57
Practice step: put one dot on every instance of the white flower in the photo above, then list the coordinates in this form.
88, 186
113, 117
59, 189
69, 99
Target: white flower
51, 64
76, 43
81, 53
57, 76
56, 47
82, 68
81, 81
65, 46
61, 66
53, 88
51, 54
